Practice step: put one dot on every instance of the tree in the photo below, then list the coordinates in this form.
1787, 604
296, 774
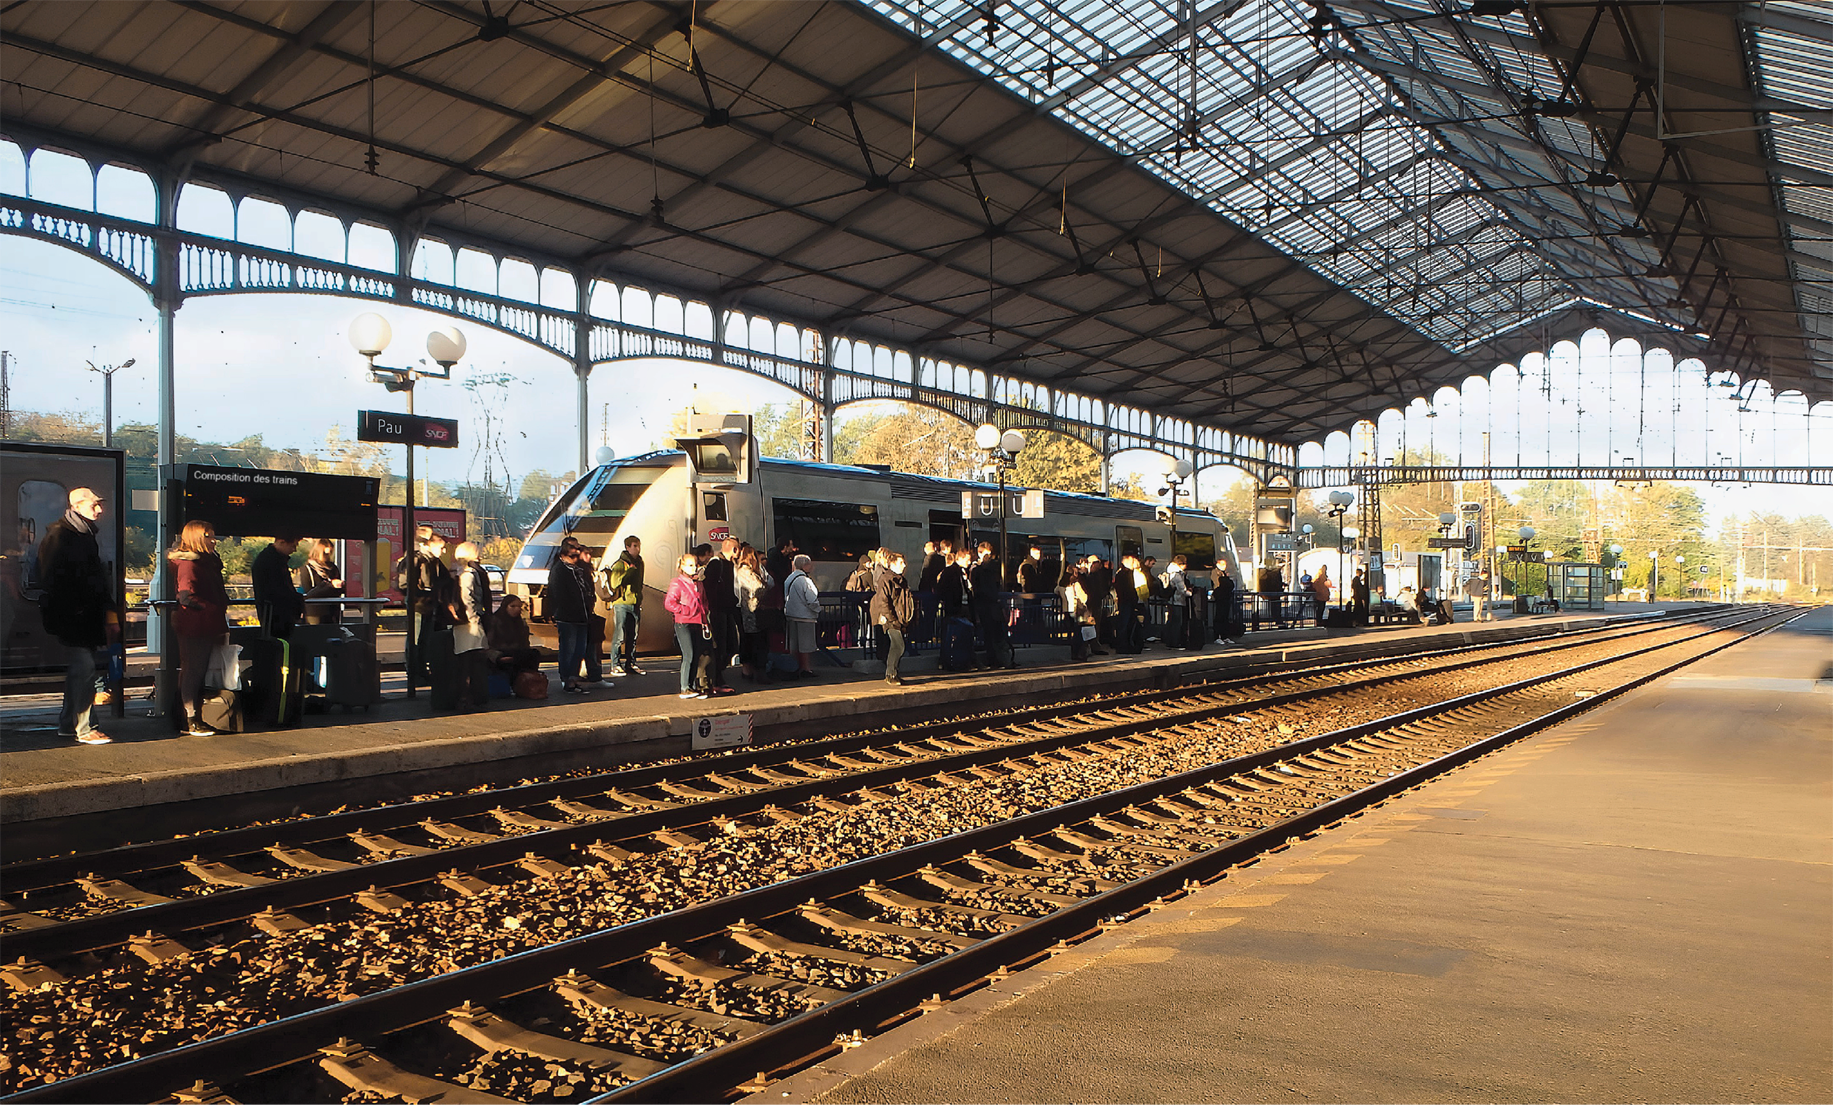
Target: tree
781, 430
912, 440
1057, 462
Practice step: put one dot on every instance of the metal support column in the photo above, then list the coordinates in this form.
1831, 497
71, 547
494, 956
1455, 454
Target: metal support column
166, 300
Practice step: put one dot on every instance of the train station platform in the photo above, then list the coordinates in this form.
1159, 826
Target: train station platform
1635, 906
402, 747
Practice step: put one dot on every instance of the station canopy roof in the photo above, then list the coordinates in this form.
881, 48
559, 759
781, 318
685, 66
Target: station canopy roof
1278, 216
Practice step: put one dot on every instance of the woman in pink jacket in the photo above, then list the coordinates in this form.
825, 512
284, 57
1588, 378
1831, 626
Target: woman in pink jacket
687, 604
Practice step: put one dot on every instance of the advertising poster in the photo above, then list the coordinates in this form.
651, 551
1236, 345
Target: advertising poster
379, 578
35, 484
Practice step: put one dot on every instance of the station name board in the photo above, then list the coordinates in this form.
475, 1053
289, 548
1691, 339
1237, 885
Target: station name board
410, 430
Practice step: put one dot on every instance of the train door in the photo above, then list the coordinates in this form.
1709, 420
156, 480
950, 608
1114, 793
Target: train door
1128, 540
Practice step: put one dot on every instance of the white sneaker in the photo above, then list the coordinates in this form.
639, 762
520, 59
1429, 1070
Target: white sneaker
689, 696
618, 671
1221, 641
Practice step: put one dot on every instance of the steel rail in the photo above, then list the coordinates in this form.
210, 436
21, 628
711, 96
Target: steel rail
296, 1038
66, 939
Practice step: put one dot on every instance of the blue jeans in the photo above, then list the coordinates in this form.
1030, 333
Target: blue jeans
572, 650
81, 683
693, 650
623, 633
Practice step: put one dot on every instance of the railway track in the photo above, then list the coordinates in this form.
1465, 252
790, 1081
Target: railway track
64, 906
743, 973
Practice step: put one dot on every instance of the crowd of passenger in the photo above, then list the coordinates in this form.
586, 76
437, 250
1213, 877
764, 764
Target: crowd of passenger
732, 606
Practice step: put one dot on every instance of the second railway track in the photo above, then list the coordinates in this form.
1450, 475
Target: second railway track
867, 907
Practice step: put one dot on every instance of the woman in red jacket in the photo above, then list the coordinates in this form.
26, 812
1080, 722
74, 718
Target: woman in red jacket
201, 619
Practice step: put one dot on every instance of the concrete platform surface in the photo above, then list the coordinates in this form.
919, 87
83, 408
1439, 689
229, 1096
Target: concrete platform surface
1634, 907
43, 777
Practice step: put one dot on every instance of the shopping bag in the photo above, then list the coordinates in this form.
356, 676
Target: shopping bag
225, 669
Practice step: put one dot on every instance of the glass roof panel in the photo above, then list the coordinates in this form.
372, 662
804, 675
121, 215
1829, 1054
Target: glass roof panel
1275, 125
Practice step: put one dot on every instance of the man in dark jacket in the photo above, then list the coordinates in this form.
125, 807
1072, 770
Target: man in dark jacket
567, 601
1099, 584
277, 603
954, 589
432, 591
936, 557
1031, 575
990, 609
1222, 605
79, 609
716, 587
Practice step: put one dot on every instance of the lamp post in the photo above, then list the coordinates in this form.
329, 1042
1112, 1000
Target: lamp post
1616, 567
1344, 544
1002, 451
108, 397
1174, 481
1526, 534
1680, 569
1654, 574
370, 334
1339, 506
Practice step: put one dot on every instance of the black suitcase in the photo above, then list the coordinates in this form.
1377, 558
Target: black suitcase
222, 710
442, 671
958, 645
274, 685
348, 673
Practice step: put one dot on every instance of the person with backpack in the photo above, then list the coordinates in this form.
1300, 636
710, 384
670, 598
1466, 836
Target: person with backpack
471, 628
893, 609
1222, 602
623, 583
1129, 598
720, 591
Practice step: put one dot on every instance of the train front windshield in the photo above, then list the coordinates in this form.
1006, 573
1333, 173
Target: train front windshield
591, 511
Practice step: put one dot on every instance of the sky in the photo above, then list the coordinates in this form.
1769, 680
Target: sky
281, 366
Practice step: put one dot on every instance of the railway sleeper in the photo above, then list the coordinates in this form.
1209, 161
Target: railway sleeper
1091, 843
583, 990
875, 892
676, 839
949, 882
670, 961
120, 891
689, 792
995, 867
544, 867
465, 884
493, 1033
729, 784
782, 816
26, 976
1025, 847
223, 875
360, 1070
306, 860
452, 832
382, 843
12, 918
200, 1092
582, 810
839, 922
381, 902
522, 820
772, 777
750, 936
636, 802
277, 923
156, 949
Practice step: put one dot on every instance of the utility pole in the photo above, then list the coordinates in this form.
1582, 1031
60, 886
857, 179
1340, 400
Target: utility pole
6, 394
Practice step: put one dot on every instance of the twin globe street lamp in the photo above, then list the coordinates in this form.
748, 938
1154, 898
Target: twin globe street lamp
1002, 450
370, 334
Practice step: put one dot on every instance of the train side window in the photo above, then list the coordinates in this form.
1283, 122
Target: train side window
713, 507
827, 531
1130, 540
1199, 548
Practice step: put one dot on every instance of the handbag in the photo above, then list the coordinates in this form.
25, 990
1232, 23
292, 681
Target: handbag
1088, 634
225, 668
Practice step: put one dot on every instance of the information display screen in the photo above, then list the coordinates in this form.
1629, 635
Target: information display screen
266, 502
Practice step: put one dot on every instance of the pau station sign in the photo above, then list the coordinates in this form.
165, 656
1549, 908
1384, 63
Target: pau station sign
408, 430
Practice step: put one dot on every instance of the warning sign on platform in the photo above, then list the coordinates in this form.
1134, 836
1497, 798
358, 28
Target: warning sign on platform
714, 732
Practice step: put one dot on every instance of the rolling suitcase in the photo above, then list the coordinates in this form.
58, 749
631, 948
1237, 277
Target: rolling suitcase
348, 674
275, 686
958, 645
